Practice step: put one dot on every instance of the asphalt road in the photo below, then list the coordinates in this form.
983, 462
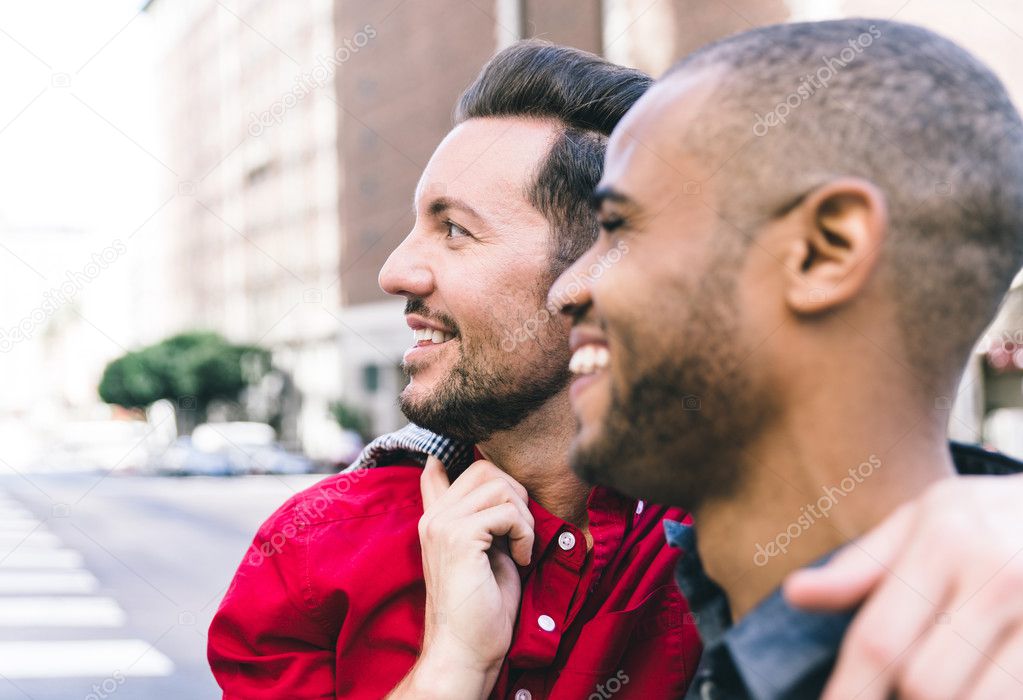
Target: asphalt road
108, 583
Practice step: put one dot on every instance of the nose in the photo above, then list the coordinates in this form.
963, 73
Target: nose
571, 292
406, 271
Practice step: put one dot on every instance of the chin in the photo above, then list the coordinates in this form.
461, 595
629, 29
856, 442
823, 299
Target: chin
425, 379
584, 460
415, 393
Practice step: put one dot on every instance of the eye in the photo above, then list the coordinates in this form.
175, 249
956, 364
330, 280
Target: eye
611, 223
456, 231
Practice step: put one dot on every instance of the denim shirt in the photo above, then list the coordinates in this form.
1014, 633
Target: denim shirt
776, 651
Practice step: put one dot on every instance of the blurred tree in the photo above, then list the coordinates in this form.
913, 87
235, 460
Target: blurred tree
189, 369
351, 418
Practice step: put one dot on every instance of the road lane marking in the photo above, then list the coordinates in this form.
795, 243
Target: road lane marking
27, 582
18, 524
87, 658
41, 559
60, 612
39, 539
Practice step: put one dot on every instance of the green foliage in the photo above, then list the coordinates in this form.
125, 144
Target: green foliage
190, 369
351, 418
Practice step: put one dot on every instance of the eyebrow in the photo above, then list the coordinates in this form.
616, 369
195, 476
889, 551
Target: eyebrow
441, 204
609, 194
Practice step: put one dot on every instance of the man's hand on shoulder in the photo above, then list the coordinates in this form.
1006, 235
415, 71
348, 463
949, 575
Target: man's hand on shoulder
941, 588
473, 532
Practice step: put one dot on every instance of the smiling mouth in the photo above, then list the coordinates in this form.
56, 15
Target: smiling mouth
429, 336
589, 359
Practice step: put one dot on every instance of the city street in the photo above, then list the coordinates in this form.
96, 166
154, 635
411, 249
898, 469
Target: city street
108, 583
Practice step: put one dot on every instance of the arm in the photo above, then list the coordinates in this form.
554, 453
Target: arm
942, 581
263, 642
472, 533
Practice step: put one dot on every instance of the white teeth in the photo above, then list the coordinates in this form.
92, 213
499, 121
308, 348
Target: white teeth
589, 359
436, 337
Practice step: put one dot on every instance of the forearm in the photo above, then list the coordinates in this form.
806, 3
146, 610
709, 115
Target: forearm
439, 676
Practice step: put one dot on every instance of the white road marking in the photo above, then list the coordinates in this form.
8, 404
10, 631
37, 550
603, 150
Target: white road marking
28, 582
42, 586
39, 538
88, 658
11, 512
25, 558
18, 524
60, 612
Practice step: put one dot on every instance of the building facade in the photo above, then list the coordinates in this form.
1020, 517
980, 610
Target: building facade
302, 129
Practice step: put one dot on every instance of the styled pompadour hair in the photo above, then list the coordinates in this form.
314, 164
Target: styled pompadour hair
588, 96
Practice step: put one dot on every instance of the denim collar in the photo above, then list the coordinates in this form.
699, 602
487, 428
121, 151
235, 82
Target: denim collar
775, 651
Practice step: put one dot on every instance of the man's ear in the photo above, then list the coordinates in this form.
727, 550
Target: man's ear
839, 230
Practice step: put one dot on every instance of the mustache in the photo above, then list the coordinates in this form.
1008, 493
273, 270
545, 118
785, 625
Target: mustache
417, 305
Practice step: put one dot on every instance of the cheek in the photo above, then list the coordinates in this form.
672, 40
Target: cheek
511, 306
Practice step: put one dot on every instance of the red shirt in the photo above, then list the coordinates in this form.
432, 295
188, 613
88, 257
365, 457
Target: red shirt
329, 600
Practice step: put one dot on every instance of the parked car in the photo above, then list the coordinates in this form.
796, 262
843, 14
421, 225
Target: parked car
97, 445
183, 458
227, 449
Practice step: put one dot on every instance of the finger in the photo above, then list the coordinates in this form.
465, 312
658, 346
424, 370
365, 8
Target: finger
850, 575
985, 611
487, 495
505, 520
897, 614
433, 482
1002, 677
477, 473
958, 646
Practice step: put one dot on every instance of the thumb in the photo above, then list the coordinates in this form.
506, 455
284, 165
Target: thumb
433, 482
846, 580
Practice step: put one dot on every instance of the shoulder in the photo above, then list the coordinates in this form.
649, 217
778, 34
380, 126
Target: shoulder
975, 460
358, 494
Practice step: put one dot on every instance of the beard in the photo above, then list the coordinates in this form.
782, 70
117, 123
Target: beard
675, 434
485, 393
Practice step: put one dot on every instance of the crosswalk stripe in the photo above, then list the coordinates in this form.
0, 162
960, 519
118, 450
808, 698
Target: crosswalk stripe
25, 558
89, 658
60, 612
38, 539
42, 585
15, 513
20, 582
18, 524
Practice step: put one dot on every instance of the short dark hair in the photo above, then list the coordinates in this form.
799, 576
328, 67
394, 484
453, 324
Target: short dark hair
585, 93
904, 108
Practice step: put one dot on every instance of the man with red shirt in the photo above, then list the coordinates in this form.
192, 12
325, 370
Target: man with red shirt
520, 582
332, 599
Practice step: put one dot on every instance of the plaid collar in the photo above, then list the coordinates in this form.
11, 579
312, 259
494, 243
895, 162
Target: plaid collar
416, 443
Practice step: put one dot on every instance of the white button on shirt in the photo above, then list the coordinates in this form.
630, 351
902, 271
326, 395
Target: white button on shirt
546, 623
639, 508
566, 541
523, 694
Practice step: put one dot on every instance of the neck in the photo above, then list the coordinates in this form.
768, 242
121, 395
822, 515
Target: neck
824, 473
535, 453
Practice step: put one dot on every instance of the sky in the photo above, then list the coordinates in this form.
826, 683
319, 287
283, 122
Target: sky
80, 171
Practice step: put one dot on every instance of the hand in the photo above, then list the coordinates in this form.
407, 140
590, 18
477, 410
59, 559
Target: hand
472, 534
942, 581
